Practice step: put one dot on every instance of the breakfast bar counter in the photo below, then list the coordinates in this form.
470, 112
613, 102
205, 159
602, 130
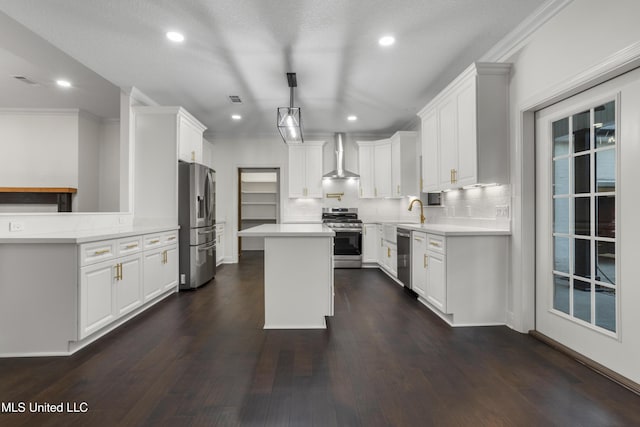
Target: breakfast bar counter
298, 274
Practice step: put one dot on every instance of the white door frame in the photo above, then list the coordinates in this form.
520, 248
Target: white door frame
523, 176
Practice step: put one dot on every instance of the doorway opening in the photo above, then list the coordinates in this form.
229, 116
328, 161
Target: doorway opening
258, 203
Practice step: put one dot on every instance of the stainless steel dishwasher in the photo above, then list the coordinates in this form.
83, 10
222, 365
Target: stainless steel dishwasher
404, 256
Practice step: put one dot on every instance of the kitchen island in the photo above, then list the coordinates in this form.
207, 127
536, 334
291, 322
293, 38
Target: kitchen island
298, 274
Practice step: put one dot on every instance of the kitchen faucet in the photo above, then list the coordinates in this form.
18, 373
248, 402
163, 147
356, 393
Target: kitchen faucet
422, 218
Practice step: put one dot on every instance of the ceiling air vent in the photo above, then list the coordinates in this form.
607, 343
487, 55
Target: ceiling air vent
25, 80
235, 99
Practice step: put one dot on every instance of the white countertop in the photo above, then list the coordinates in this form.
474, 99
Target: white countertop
455, 230
84, 236
288, 230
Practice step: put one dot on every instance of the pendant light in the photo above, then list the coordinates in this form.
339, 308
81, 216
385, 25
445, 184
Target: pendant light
289, 119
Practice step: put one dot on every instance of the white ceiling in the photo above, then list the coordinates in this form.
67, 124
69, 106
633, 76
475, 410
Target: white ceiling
245, 47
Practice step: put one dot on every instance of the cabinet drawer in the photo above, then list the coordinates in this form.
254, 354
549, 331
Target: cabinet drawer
153, 240
170, 238
435, 243
91, 253
129, 245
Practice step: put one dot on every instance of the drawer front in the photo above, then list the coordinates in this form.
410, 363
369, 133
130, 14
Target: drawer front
91, 253
153, 240
436, 243
129, 245
170, 238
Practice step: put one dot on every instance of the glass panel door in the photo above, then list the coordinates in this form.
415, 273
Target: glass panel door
584, 212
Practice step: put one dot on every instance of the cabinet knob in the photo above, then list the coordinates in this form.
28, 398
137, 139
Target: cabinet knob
426, 260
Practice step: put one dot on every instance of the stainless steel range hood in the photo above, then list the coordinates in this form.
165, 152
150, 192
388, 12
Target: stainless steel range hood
340, 172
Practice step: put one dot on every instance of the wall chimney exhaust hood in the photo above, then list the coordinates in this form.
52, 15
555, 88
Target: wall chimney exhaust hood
340, 172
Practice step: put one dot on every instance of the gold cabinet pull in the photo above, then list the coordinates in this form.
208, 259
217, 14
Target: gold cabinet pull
131, 246
426, 261
388, 252
120, 271
101, 252
154, 241
451, 176
172, 238
436, 244
398, 189
455, 175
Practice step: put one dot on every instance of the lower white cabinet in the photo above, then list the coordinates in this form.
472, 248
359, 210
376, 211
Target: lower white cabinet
370, 243
219, 244
128, 286
133, 275
436, 290
160, 271
97, 296
419, 263
462, 278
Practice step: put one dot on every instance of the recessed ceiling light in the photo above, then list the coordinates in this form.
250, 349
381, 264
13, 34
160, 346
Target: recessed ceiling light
352, 118
236, 117
63, 83
386, 40
175, 36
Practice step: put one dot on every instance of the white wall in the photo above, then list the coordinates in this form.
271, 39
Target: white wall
87, 198
39, 148
109, 158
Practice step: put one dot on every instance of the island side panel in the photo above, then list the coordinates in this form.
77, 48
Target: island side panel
38, 299
298, 280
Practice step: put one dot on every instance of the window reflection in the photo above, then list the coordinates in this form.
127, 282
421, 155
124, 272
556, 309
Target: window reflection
581, 132
561, 293
606, 262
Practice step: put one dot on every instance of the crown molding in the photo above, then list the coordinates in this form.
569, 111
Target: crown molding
520, 35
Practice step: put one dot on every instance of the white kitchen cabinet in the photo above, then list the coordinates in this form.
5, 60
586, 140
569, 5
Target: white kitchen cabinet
461, 278
374, 162
468, 121
419, 262
436, 289
305, 170
404, 177
97, 296
382, 169
219, 243
163, 135
388, 167
190, 142
128, 285
430, 152
381, 253
366, 169
160, 271
370, 243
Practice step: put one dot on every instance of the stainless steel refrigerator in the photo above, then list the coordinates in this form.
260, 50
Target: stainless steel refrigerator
197, 219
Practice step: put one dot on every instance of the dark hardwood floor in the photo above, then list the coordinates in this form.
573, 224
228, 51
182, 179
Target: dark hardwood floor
202, 358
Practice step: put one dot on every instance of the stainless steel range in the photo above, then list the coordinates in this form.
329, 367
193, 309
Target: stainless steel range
347, 248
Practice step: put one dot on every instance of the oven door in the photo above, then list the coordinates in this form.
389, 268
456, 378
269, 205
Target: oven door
347, 242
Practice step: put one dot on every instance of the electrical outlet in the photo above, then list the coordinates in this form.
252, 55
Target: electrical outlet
183, 279
502, 211
16, 226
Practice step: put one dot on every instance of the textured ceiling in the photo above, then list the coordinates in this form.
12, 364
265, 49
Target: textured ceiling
245, 47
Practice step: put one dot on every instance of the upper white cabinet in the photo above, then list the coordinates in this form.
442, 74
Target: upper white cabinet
190, 145
465, 130
163, 135
366, 169
404, 177
388, 167
305, 170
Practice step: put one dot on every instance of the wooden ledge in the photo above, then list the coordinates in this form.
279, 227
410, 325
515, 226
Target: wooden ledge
59, 190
